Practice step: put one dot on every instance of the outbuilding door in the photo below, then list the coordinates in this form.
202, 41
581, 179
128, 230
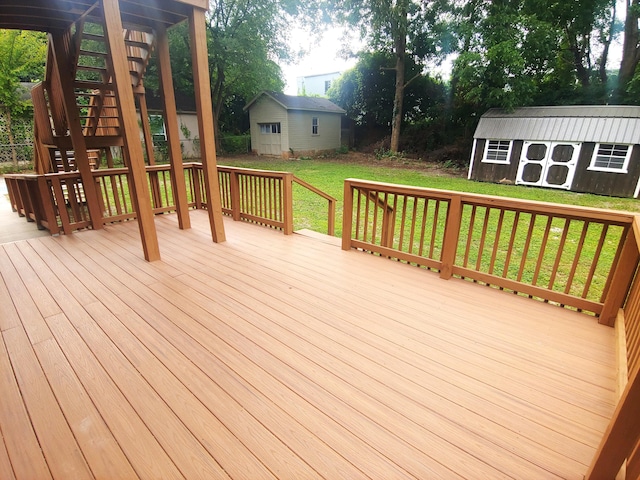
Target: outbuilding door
270, 140
548, 164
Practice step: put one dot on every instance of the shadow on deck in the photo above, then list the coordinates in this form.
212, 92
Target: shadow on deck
283, 356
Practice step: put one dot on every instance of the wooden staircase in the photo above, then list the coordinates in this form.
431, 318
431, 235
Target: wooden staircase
88, 60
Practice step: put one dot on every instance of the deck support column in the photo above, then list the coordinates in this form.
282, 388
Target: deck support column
201, 83
123, 91
63, 67
171, 127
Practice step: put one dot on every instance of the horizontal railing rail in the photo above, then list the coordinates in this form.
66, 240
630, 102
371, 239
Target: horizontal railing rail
557, 253
331, 204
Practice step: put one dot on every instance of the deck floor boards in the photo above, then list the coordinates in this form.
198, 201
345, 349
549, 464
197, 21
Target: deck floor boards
272, 356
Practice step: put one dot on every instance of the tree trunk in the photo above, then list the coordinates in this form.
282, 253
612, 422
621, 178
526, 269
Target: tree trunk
630, 49
602, 70
400, 46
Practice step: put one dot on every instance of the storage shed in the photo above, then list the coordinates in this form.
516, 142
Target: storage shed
286, 125
592, 149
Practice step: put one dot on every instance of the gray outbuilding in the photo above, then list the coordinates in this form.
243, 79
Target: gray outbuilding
594, 149
287, 125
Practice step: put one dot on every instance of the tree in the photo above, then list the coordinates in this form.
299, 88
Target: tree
404, 28
245, 40
367, 91
22, 58
630, 47
533, 52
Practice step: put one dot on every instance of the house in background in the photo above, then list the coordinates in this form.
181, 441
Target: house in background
286, 125
187, 121
316, 84
591, 149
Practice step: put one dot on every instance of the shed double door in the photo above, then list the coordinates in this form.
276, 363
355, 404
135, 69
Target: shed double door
548, 164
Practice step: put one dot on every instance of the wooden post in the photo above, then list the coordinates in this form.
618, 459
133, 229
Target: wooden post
287, 203
62, 59
202, 88
171, 126
451, 235
621, 435
623, 274
234, 185
47, 205
130, 131
347, 215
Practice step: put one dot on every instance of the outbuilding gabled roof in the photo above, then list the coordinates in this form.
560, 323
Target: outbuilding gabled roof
292, 102
581, 123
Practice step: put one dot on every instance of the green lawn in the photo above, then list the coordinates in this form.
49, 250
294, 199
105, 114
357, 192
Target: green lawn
329, 175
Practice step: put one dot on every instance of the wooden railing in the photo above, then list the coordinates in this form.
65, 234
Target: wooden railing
620, 445
581, 258
56, 201
557, 253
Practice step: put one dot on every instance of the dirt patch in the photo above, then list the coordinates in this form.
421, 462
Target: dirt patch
360, 158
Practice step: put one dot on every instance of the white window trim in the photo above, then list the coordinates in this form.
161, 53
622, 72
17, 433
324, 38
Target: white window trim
625, 165
317, 125
486, 150
270, 132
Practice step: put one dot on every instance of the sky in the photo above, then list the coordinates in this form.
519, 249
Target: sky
323, 56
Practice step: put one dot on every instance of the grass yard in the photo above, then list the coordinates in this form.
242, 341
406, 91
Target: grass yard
329, 175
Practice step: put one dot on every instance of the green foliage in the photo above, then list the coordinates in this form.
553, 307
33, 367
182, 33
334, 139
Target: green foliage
22, 59
234, 143
367, 91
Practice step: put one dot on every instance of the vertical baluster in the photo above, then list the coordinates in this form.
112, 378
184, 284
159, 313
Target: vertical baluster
543, 247
527, 244
512, 238
483, 237
496, 242
469, 236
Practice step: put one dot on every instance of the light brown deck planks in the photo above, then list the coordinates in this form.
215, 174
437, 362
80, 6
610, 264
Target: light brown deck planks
273, 356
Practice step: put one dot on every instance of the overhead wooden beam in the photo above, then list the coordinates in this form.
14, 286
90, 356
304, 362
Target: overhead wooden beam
202, 88
61, 58
129, 128
171, 128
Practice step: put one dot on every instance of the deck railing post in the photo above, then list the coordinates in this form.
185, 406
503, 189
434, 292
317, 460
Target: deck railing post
47, 205
451, 236
234, 180
622, 275
287, 203
196, 171
347, 215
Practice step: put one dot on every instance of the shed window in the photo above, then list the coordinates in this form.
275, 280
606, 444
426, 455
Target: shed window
610, 157
497, 151
314, 126
269, 128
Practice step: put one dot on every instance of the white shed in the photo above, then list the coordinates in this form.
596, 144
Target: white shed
286, 125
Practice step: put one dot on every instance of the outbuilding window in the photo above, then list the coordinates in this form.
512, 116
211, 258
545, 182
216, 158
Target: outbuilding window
610, 157
314, 126
497, 151
269, 128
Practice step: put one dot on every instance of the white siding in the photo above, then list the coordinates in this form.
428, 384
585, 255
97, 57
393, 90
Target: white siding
301, 138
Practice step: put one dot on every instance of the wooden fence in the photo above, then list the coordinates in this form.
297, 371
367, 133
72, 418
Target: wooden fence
56, 201
577, 257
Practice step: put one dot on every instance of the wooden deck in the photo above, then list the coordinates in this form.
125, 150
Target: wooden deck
273, 356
